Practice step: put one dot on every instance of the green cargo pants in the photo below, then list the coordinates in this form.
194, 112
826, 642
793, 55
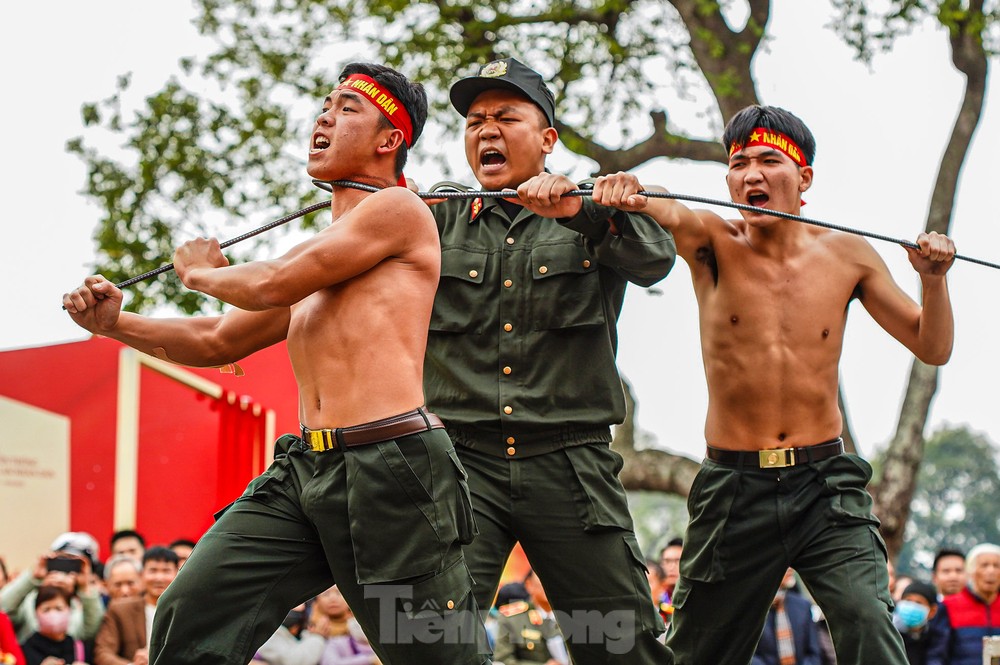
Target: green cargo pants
747, 526
568, 510
384, 521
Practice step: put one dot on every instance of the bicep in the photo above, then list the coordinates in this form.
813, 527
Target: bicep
372, 232
895, 311
238, 333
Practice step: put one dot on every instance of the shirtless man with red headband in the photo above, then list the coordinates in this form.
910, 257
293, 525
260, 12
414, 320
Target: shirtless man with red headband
776, 489
371, 496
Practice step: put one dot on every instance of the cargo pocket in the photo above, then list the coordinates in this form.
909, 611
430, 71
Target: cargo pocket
649, 618
598, 491
444, 594
434, 619
465, 520
844, 479
680, 595
881, 553
394, 524
711, 499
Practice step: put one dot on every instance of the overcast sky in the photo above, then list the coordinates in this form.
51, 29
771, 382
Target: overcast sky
880, 135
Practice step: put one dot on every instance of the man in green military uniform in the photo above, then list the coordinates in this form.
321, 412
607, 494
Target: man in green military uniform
528, 632
370, 497
520, 365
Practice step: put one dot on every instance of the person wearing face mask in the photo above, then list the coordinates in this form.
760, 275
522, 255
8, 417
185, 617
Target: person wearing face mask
971, 614
293, 643
914, 611
50, 644
18, 598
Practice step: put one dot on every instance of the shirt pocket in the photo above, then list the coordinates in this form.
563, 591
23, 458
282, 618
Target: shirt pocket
460, 292
566, 287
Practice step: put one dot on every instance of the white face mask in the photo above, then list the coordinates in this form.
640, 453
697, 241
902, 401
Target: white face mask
53, 622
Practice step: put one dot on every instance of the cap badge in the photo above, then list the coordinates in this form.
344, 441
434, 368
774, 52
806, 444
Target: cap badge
494, 69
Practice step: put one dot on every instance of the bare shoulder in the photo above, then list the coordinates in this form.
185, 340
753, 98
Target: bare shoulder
397, 202
853, 249
735, 229
394, 212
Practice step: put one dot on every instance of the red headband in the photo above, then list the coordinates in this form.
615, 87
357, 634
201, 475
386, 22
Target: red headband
773, 139
383, 100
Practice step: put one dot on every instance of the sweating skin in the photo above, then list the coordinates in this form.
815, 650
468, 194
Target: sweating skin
773, 296
353, 301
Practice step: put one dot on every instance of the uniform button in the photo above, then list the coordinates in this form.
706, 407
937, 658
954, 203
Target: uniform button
510, 451
530, 646
543, 269
508, 410
451, 604
507, 370
508, 283
510, 439
510, 241
586, 263
508, 327
473, 274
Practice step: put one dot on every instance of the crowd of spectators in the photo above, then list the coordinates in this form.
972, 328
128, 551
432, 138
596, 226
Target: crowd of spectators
69, 608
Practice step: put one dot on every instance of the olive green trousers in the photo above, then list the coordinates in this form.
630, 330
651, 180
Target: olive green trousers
748, 526
384, 521
568, 510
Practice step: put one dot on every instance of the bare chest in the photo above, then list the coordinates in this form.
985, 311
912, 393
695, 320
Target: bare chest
760, 299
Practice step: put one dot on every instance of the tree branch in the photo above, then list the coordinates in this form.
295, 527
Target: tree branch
725, 56
660, 143
648, 469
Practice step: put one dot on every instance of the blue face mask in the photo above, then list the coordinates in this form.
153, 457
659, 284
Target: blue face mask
910, 615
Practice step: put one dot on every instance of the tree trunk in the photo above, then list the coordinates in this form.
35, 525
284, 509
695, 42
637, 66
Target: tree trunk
724, 56
648, 469
894, 489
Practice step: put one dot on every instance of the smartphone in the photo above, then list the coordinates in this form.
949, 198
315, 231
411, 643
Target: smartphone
64, 565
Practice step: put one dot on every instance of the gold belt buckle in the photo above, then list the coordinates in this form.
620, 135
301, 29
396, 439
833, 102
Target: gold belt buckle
319, 440
777, 458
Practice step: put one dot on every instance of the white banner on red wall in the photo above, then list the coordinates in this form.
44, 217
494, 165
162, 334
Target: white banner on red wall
34, 480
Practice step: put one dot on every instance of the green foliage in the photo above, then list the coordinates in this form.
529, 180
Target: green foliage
220, 149
872, 27
186, 155
955, 503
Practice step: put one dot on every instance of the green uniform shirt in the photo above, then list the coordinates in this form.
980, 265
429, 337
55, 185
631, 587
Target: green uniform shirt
524, 634
523, 334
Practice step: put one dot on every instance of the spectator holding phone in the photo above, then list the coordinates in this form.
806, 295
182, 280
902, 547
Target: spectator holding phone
66, 566
51, 644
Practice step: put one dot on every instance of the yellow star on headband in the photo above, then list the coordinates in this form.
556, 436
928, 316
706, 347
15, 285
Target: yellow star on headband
755, 136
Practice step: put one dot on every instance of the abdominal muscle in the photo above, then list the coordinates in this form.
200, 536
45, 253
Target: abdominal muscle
771, 385
357, 348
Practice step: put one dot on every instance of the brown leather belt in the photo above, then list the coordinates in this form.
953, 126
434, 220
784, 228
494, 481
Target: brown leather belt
411, 422
776, 458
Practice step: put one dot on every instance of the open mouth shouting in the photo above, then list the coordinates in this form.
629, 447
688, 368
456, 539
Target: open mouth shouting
319, 144
491, 160
757, 198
